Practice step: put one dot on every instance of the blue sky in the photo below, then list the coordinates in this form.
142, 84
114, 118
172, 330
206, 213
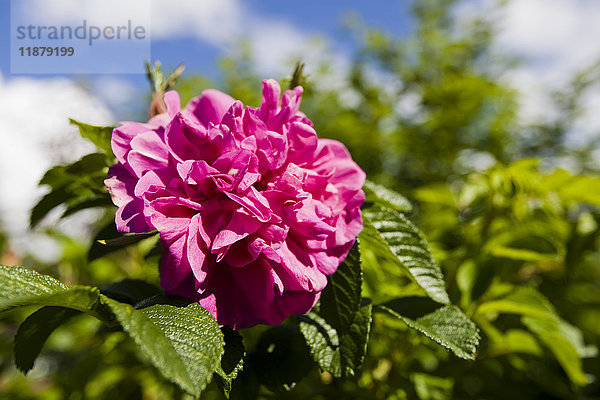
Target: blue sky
312, 18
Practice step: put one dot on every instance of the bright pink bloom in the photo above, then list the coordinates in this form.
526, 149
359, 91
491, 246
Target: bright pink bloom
253, 210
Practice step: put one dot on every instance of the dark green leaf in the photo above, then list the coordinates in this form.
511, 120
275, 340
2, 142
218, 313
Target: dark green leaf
98, 250
93, 201
34, 332
339, 354
281, 358
446, 325
392, 236
99, 135
340, 299
63, 175
127, 239
337, 335
78, 185
353, 344
46, 204
232, 360
184, 343
130, 291
109, 239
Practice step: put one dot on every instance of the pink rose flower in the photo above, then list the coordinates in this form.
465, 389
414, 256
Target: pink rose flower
253, 210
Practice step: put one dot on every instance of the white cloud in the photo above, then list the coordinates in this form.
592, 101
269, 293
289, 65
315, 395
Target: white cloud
215, 22
36, 134
554, 39
104, 12
275, 43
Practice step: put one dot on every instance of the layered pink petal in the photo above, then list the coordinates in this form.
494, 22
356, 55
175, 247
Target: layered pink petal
253, 209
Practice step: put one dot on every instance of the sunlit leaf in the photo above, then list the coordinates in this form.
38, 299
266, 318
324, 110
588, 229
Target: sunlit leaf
391, 235
99, 135
340, 354
385, 197
184, 343
446, 325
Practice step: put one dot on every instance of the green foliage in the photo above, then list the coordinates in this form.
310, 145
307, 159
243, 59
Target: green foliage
23, 287
184, 343
430, 387
507, 279
394, 237
512, 238
78, 186
340, 354
232, 361
340, 300
378, 194
446, 325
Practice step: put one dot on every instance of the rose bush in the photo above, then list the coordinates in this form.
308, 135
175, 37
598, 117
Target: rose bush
253, 209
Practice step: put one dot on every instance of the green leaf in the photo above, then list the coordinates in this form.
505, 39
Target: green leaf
127, 239
184, 343
446, 325
232, 360
22, 282
340, 299
22, 287
82, 203
339, 333
539, 316
46, 204
353, 344
382, 196
339, 354
62, 175
515, 341
392, 236
323, 341
520, 300
97, 249
78, 185
109, 239
98, 135
554, 338
34, 332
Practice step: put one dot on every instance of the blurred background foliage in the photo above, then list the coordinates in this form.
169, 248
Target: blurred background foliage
516, 236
